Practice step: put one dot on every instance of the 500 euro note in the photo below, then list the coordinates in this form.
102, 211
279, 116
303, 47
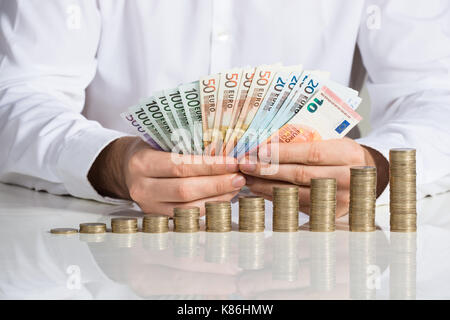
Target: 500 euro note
141, 132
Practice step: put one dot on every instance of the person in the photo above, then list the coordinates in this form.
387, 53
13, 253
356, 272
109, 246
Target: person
69, 68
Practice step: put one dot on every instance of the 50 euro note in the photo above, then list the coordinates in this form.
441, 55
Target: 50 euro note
325, 116
209, 86
141, 132
190, 95
260, 84
246, 81
284, 81
226, 99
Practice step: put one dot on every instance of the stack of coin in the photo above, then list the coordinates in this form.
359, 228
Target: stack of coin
186, 219
251, 214
63, 231
124, 225
92, 228
285, 209
155, 223
218, 216
363, 194
402, 166
322, 216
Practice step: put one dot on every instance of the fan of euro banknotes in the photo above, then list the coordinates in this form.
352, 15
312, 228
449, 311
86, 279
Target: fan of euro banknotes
234, 112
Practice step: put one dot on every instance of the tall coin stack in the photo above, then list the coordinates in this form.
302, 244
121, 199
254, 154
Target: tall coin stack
402, 166
92, 228
322, 216
186, 219
251, 214
124, 225
155, 223
285, 209
363, 194
218, 216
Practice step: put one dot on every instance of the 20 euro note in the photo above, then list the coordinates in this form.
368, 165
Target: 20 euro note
190, 95
261, 81
278, 91
141, 132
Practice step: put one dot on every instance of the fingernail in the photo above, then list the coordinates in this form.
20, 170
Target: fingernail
248, 167
238, 181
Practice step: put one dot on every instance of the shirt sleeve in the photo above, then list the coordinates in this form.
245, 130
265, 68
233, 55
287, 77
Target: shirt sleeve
47, 59
405, 46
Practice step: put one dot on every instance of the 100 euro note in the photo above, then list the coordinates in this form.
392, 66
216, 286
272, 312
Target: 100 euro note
190, 95
260, 84
278, 91
141, 131
182, 133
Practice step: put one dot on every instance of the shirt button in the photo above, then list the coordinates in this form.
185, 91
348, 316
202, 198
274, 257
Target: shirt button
223, 36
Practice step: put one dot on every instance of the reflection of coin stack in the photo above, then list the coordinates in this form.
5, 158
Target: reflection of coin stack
402, 281
285, 209
124, 240
362, 248
285, 265
185, 244
323, 205
155, 223
402, 166
155, 241
92, 237
251, 214
124, 225
363, 194
251, 251
218, 216
217, 247
186, 219
92, 227
323, 261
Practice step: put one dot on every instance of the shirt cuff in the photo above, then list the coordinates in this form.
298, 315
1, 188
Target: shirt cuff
76, 158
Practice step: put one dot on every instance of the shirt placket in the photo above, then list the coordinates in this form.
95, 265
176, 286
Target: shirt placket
221, 36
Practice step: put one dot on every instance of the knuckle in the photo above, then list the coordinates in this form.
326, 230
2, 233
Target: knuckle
180, 170
134, 191
134, 164
183, 192
300, 175
314, 155
220, 188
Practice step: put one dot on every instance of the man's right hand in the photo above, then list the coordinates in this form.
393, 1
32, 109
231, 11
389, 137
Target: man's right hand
129, 169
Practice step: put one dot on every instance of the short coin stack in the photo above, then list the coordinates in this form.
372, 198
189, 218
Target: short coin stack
363, 194
251, 214
124, 225
186, 219
92, 227
218, 216
155, 223
285, 209
63, 231
402, 166
322, 216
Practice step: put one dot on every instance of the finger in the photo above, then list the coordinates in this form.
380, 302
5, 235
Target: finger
167, 207
265, 187
297, 173
321, 152
158, 164
194, 188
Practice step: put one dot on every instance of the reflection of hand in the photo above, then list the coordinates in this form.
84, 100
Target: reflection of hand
300, 162
128, 168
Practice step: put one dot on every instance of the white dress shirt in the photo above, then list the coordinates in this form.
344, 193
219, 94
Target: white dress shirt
68, 68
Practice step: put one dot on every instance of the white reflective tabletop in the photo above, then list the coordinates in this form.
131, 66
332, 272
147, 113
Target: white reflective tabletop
35, 264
